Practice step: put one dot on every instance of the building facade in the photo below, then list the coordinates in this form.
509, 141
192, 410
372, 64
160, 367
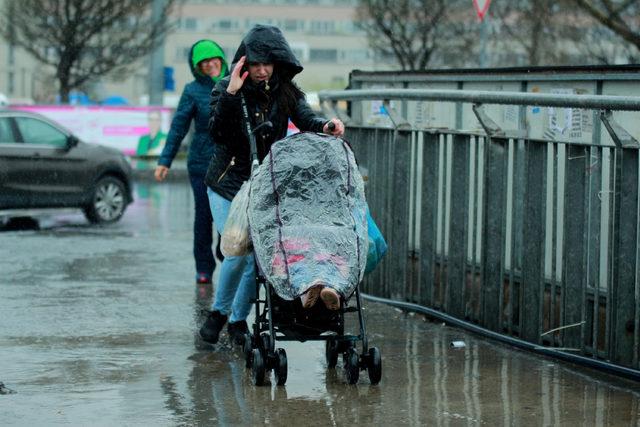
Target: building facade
322, 33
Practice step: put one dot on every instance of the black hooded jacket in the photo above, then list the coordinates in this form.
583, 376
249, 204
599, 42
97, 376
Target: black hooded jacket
230, 165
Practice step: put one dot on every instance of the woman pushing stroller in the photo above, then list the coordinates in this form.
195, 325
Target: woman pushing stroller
263, 69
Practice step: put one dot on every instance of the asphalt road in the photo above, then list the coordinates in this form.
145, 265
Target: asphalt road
98, 327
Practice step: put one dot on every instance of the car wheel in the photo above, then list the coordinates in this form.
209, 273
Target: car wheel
108, 201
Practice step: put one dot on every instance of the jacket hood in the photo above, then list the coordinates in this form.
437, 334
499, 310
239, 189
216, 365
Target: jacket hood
266, 43
203, 49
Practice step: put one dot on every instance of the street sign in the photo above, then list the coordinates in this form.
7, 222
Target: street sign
481, 7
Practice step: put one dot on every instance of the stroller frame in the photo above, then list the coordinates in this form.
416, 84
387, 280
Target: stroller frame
261, 354
280, 320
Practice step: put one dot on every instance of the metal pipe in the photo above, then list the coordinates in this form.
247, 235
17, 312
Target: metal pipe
156, 62
535, 348
607, 102
512, 74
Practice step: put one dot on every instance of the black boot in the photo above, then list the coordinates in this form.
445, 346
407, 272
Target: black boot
212, 326
237, 331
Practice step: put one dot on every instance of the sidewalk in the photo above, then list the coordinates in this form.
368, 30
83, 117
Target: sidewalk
130, 353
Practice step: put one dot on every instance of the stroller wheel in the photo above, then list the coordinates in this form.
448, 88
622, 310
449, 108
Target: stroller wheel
280, 370
331, 353
257, 367
247, 350
351, 368
266, 343
374, 365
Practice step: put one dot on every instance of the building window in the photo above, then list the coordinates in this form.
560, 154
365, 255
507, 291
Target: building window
323, 55
293, 25
190, 24
299, 53
300, 50
11, 84
182, 53
355, 56
322, 27
351, 27
250, 22
226, 25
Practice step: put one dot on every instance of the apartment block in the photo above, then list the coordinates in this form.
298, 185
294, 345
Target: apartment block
322, 33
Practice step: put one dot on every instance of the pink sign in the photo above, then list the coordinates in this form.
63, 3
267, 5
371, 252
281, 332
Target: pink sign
125, 130
122, 128
481, 7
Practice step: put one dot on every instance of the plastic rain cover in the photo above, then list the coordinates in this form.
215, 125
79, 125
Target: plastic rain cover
307, 216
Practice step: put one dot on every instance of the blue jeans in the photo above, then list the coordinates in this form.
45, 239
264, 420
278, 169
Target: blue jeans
202, 226
236, 287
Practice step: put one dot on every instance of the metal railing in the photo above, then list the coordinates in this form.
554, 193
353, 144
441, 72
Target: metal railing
535, 238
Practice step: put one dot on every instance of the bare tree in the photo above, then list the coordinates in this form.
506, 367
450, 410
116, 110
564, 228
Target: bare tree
597, 44
531, 27
620, 16
552, 32
412, 31
85, 39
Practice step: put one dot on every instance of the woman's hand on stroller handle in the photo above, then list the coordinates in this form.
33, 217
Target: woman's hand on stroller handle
334, 127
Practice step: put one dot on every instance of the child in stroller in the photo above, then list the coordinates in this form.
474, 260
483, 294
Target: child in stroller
308, 226
294, 256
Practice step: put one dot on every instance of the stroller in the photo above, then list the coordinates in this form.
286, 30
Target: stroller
308, 226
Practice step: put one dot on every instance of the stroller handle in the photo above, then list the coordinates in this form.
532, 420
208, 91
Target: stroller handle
251, 133
262, 125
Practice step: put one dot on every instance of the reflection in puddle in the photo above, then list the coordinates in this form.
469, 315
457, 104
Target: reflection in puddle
162, 207
425, 382
215, 393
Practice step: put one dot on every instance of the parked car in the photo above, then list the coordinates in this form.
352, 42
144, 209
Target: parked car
44, 166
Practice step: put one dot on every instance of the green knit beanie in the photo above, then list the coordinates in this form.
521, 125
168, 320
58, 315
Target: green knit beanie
205, 49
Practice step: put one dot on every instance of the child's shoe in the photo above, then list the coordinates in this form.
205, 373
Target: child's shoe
330, 298
310, 297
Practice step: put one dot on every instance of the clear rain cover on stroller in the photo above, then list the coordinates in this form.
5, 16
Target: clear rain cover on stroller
307, 216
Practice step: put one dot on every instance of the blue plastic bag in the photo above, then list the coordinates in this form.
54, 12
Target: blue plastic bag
377, 245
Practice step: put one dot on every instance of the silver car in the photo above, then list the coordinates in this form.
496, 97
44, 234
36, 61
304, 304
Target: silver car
44, 166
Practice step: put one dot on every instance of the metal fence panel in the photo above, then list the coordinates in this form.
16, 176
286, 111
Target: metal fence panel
398, 190
427, 216
456, 271
575, 245
625, 266
519, 234
493, 261
533, 229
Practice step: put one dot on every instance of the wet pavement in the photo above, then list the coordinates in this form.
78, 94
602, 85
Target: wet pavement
97, 327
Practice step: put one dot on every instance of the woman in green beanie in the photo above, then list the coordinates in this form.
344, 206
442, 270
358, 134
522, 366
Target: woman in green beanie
208, 66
